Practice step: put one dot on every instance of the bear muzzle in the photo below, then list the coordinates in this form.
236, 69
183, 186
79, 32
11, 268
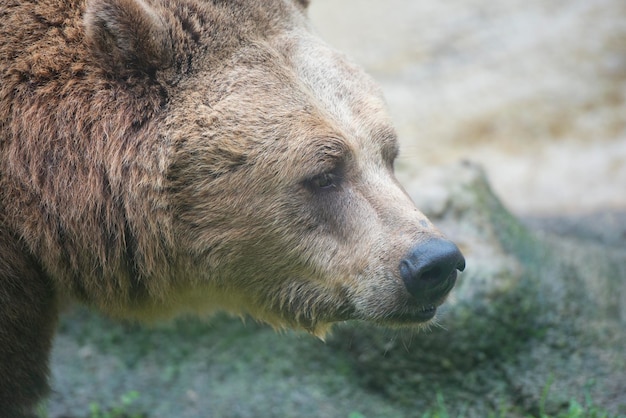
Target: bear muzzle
429, 272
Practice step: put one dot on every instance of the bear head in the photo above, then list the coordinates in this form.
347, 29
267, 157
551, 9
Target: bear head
270, 169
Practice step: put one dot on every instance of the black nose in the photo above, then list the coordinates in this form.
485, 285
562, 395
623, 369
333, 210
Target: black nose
429, 271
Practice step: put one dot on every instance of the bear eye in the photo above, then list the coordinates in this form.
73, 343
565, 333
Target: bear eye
324, 181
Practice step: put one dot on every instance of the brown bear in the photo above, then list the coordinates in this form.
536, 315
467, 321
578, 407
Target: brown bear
167, 156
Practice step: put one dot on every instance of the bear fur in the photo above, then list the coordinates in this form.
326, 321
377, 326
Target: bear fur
162, 156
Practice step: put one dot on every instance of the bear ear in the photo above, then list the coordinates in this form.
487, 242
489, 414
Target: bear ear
128, 34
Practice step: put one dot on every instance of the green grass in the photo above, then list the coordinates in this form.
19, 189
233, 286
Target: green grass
574, 410
119, 411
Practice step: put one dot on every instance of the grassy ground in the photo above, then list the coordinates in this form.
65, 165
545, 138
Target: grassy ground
574, 410
229, 369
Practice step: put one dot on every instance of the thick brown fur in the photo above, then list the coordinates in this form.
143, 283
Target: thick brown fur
159, 156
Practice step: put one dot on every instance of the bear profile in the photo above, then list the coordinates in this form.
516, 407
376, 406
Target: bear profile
160, 157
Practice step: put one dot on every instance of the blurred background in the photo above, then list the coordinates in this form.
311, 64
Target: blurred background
533, 90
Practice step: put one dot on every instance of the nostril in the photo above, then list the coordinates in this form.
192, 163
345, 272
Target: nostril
432, 274
461, 264
430, 268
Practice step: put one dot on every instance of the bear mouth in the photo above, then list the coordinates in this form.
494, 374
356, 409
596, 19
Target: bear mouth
418, 316
426, 313
410, 316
